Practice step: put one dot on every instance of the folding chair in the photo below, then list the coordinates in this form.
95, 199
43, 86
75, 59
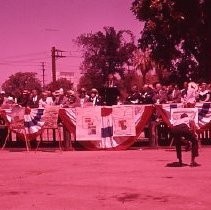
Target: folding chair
16, 125
50, 119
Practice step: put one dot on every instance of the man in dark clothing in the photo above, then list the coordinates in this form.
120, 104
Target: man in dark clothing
34, 99
183, 128
135, 96
111, 91
23, 100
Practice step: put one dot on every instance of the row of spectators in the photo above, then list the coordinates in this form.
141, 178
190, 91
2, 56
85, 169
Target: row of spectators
160, 94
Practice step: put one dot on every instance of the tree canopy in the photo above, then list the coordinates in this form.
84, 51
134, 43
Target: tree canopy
60, 83
105, 52
21, 81
178, 35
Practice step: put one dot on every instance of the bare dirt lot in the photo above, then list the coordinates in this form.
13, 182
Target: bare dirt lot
113, 180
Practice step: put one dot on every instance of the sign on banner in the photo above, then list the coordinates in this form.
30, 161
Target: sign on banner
50, 116
191, 112
88, 123
123, 120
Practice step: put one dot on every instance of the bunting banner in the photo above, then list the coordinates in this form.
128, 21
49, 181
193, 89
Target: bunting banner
33, 121
113, 127
204, 113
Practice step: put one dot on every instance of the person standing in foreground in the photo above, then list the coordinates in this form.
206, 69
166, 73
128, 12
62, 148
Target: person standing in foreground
183, 127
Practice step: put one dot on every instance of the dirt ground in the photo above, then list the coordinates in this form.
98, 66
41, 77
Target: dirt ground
113, 180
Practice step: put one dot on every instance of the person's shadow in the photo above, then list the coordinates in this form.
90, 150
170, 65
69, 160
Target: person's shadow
176, 164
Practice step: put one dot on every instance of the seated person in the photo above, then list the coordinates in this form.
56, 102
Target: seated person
45, 100
70, 99
94, 98
147, 94
204, 93
34, 99
135, 96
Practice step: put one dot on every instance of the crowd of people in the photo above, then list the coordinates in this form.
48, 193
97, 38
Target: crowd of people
111, 95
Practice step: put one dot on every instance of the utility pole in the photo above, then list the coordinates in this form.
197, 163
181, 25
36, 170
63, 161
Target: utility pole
43, 74
55, 53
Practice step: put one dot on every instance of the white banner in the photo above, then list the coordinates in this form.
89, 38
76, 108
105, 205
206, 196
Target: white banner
124, 120
88, 123
191, 112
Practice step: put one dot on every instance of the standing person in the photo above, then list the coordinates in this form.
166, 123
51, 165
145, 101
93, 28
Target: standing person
184, 127
111, 91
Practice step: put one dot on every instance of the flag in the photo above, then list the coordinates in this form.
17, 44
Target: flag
32, 121
204, 113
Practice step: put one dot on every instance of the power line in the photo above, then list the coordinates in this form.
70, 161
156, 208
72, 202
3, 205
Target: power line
13, 64
25, 55
25, 60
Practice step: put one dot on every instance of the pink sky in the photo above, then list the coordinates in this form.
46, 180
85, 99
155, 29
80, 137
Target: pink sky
29, 28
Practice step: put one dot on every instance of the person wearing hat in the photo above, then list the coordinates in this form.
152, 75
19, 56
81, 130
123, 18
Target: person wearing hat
94, 98
204, 93
69, 100
184, 128
59, 97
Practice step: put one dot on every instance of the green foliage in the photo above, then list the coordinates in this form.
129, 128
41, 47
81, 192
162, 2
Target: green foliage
60, 83
21, 81
91, 79
105, 52
178, 35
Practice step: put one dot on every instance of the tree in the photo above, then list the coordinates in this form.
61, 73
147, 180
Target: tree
178, 35
60, 83
21, 81
91, 79
142, 62
104, 53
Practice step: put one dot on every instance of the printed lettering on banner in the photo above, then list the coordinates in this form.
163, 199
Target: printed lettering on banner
88, 123
124, 121
191, 112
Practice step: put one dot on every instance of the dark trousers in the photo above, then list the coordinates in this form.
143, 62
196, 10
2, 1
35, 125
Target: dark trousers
180, 131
